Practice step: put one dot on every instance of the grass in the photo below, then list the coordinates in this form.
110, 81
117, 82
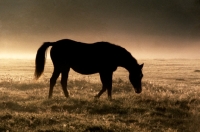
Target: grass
161, 107
158, 108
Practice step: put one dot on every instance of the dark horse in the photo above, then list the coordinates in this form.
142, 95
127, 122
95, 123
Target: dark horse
99, 57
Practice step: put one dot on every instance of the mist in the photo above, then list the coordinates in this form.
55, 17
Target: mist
148, 29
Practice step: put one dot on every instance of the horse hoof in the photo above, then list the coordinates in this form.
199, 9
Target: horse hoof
110, 99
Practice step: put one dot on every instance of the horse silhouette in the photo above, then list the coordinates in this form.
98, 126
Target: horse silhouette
99, 57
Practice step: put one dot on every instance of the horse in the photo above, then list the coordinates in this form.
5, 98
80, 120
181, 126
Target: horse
88, 58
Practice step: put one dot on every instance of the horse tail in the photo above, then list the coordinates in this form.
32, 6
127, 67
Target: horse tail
40, 59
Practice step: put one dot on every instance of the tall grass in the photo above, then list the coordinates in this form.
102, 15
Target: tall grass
25, 107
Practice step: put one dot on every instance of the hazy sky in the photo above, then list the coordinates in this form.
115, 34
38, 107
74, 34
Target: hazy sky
147, 28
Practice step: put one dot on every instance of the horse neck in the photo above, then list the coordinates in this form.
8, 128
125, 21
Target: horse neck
129, 64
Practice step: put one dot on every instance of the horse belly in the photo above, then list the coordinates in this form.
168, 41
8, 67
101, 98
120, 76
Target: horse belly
85, 69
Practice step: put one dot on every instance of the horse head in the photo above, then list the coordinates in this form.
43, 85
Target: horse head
135, 78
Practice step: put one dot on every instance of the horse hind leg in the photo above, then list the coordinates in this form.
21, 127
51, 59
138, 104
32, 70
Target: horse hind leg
53, 79
64, 77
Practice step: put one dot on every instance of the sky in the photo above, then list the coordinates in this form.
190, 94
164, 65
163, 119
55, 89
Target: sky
147, 28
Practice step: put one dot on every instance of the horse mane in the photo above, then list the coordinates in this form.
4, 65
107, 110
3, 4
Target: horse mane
128, 54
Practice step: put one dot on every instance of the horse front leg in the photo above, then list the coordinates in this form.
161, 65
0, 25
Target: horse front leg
109, 92
100, 92
106, 79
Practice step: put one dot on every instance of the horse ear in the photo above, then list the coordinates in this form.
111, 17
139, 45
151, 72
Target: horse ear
141, 66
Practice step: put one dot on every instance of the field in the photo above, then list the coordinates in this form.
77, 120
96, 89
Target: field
169, 102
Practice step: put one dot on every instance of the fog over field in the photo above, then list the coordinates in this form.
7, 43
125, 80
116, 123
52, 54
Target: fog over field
148, 29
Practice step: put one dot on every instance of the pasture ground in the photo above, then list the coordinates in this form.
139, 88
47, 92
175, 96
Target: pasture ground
169, 102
